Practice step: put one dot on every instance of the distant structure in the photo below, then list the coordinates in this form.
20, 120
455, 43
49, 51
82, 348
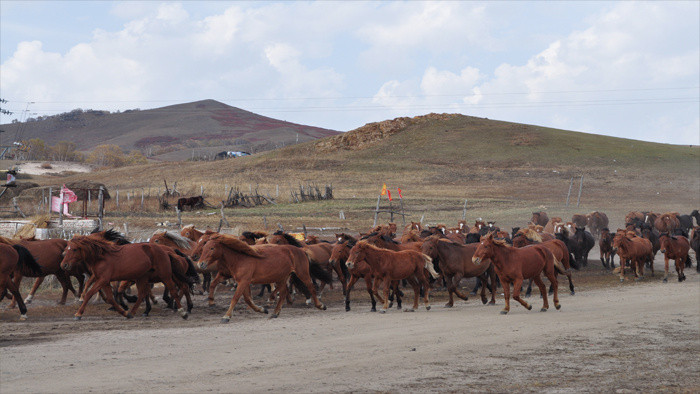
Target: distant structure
227, 154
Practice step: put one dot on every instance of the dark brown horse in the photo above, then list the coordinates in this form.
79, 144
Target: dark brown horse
557, 247
389, 266
455, 261
259, 264
695, 245
539, 218
674, 247
667, 222
597, 221
579, 220
48, 254
191, 202
607, 253
635, 250
179, 242
361, 270
16, 258
141, 263
513, 265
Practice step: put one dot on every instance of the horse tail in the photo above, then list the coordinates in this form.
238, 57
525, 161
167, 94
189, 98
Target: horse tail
26, 263
316, 270
178, 270
300, 285
429, 266
191, 270
572, 262
558, 266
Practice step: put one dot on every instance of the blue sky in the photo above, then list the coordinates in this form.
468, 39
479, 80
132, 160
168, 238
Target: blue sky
626, 69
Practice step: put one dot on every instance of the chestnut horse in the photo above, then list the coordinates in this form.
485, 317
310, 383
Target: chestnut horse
675, 247
389, 266
179, 242
539, 218
16, 258
140, 263
259, 264
607, 253
455, 261
636, 250
513, 265
557, 247
48, 254
597, 221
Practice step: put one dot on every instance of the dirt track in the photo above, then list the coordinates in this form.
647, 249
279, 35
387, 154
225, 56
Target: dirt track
633, 336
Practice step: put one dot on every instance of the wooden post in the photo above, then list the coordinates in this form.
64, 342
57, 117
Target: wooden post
126, 229
277, 193
571, 183
100, 207
265, 222
50, 199
60, 209
303, 226
117, 198
201, 190
342, 215
391, 212
580, 189
376, 211
142, 199
464, 210
179, 217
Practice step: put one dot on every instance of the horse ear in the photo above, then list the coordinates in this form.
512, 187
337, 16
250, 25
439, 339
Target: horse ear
499, 241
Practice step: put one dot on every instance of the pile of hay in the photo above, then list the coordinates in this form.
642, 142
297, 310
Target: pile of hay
29, 229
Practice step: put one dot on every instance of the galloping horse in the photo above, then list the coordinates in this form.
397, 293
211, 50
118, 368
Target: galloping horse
557, 247
48, 254
134, 262
179, 242
455, 261
675, 247
515, 264
16, 258
259, 264
607, 253
389, 266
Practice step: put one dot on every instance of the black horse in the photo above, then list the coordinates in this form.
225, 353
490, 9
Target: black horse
192, 202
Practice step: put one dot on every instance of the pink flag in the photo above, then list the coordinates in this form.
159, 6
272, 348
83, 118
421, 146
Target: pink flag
68, 195
56, 206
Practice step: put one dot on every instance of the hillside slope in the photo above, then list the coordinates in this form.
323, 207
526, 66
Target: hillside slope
172, 132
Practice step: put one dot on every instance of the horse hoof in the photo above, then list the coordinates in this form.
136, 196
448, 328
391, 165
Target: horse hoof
308, 301
665, 280
382, 311
573, 292
323, 307
427, 307
77, 317
408, 310
225, 319
543, 310
558, 306
621, 280
273, 316
529, 307
129, 316
212, 305
504, 312
448, 305
391, 303
347, 309
265, 310
144, 314
28, 300
111, 308
492, 302
23, 317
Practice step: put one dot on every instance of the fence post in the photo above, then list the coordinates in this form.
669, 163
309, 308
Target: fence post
101, 207
571, 183
50, 200
142, 199
376, 211
117, 199
179, 217
464, 210
201, 190
580, 189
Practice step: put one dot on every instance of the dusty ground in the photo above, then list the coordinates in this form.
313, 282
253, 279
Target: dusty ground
612, 337
56, 167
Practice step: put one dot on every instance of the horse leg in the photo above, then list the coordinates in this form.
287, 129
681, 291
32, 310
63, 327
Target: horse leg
552, 276
455, 283
96, 285
249, 300
89, 283
307, 281
386, 283
506, 295
450, 291
476, 287
283, 294
623, 263
237, 295
36, 285
493, 278
212, 287
517, 286
571, 285
110, 299
680, 263
142, 290
172, 289
206, 280
529, 289
354, 279
426, 286
188, 297
341, 277
67, 285
483, 289
543, 289
416, 292
148, 307
81, 285
6, 285
666, 267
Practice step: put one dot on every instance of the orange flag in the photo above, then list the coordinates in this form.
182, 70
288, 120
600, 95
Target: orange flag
400, 196
388, 192
384, 189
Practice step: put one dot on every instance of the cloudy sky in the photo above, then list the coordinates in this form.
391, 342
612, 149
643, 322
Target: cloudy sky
626, 69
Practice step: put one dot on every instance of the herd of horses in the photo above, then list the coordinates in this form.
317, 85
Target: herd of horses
420, 258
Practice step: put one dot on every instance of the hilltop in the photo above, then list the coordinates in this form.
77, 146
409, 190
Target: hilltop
175, 132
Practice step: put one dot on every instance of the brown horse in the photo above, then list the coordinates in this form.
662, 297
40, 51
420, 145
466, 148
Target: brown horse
579, 220
141, 263
259, 264
667, 222
596, 222
636, 250
557, 247
513, 265
676, 248
389, 266
179, 242
319, 258
48, 254
551, 225
16, 258
455, 261
250, 237
539, 218
361, 270
191, 233
607, 253
222, 272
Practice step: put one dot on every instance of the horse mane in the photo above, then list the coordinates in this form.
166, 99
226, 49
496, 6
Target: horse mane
530, 234
27, 263
90, 249
235, 244
349, 238
7, 241
112, 236
290, 239
254, 234
182, 242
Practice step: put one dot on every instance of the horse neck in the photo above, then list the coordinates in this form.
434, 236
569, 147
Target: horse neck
501, 255
376, 258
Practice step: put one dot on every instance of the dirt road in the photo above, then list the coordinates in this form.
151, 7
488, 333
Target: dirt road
632, 336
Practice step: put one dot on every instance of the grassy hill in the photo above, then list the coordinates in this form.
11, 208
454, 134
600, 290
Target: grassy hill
170, 133
504, 169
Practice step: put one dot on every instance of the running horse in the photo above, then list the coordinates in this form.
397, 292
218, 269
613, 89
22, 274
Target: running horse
141, 263
513, 265
16, 258
179, 242
636, 250
676, 248
259, 264
389, 266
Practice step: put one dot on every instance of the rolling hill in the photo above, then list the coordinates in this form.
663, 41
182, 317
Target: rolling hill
175, 132
505, 170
